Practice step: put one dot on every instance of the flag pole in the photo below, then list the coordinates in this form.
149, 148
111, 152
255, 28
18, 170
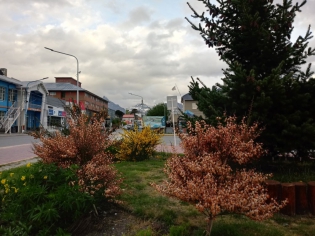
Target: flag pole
178, 90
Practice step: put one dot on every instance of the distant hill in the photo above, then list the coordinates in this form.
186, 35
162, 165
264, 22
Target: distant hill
114, 106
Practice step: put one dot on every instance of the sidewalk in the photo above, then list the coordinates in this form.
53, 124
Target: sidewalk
169, 148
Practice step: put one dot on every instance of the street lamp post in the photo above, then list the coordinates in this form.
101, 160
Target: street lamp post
170, 105
26, 93
138, 96
173, 122
77, 70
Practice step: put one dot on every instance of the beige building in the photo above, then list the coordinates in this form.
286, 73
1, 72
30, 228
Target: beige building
189, 104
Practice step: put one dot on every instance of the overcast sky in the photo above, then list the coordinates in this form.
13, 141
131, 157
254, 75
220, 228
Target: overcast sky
143, 47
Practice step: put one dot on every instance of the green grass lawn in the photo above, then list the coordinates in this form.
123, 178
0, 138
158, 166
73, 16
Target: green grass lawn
179, 218
182, 219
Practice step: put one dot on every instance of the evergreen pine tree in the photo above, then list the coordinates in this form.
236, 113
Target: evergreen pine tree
264, 78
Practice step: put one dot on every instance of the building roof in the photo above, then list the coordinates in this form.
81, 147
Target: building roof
56, 102
33, 83
62, 87
68, 87
10, 80
128, 116
187, 97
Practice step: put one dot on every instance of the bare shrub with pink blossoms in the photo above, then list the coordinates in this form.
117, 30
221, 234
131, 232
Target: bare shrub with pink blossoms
86, 146
211, 177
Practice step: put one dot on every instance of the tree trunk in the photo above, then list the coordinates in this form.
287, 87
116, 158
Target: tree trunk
209, 226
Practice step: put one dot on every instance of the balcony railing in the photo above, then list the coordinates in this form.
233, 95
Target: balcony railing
35, 106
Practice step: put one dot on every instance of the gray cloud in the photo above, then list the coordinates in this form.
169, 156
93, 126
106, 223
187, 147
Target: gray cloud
139, 15
137, 49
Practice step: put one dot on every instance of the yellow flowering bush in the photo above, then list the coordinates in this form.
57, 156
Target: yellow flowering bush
138, 145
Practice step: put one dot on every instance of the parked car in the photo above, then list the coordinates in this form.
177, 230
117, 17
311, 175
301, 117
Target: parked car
128, 127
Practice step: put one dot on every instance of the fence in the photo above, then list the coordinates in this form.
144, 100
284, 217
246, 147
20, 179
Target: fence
301, 196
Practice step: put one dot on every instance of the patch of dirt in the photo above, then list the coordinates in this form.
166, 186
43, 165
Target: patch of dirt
114, 221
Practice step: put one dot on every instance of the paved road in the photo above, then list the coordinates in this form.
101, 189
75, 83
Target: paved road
15, 139
15, 148
167, 139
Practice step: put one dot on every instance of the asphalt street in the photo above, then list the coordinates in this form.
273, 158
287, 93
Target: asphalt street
8, 140
15, 148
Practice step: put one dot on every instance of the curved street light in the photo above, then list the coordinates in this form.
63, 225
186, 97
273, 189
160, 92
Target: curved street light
35, 81
77, 69
138, 96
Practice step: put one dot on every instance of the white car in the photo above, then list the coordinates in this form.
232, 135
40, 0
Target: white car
128, 127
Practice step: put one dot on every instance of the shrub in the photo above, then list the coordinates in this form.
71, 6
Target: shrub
41, 199
210, 175
138, 145
86, 146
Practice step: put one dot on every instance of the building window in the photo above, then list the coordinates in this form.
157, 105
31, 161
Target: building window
194, 106
2, 113
2, 93
63, 94
12, 95
52, 93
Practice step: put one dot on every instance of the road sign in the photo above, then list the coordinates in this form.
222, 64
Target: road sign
170, 100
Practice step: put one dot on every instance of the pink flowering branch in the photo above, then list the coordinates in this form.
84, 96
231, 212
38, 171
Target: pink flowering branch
205, 178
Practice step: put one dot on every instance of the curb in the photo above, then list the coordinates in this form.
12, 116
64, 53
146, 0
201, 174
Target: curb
15, 164
12, 135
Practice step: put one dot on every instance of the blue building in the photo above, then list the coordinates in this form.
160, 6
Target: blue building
9, 106
22, 104
33, 105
